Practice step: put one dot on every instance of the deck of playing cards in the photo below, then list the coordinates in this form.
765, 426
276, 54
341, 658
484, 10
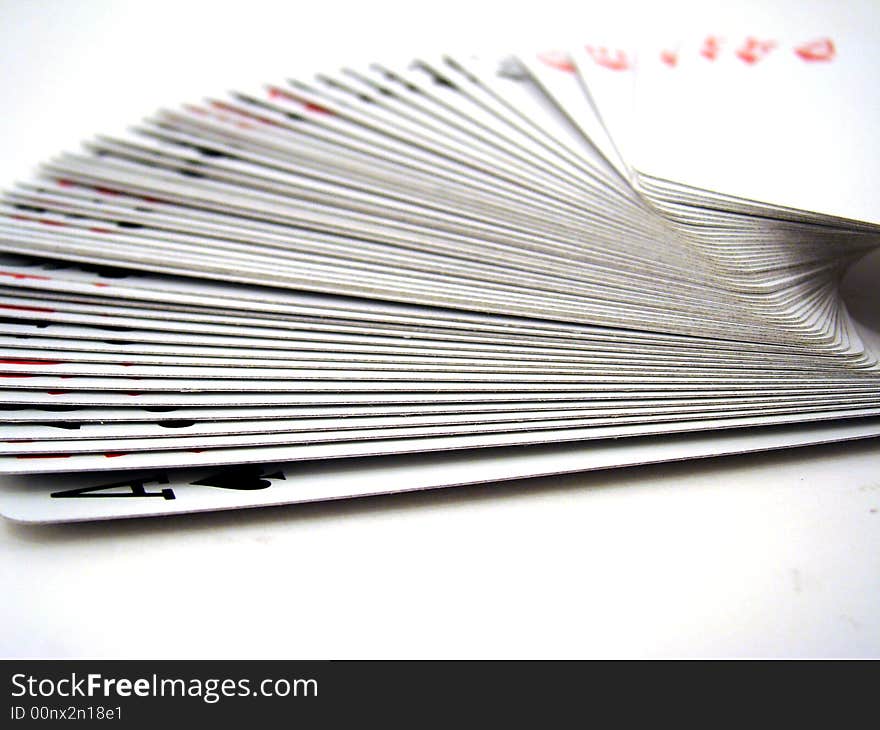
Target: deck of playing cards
446, 271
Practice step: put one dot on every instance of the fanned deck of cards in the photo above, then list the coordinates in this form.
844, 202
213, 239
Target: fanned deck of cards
441, 272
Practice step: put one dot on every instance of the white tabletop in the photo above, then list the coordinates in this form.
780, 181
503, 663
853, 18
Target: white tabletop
765, 555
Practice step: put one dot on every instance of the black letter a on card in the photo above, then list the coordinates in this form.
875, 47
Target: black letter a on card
135, 488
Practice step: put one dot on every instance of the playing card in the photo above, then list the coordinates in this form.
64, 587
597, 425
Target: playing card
154, 493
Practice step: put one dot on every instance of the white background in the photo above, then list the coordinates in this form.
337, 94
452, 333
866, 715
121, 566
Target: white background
747, 556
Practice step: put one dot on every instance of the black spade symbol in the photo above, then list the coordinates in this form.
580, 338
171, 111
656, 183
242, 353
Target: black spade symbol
242, 478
